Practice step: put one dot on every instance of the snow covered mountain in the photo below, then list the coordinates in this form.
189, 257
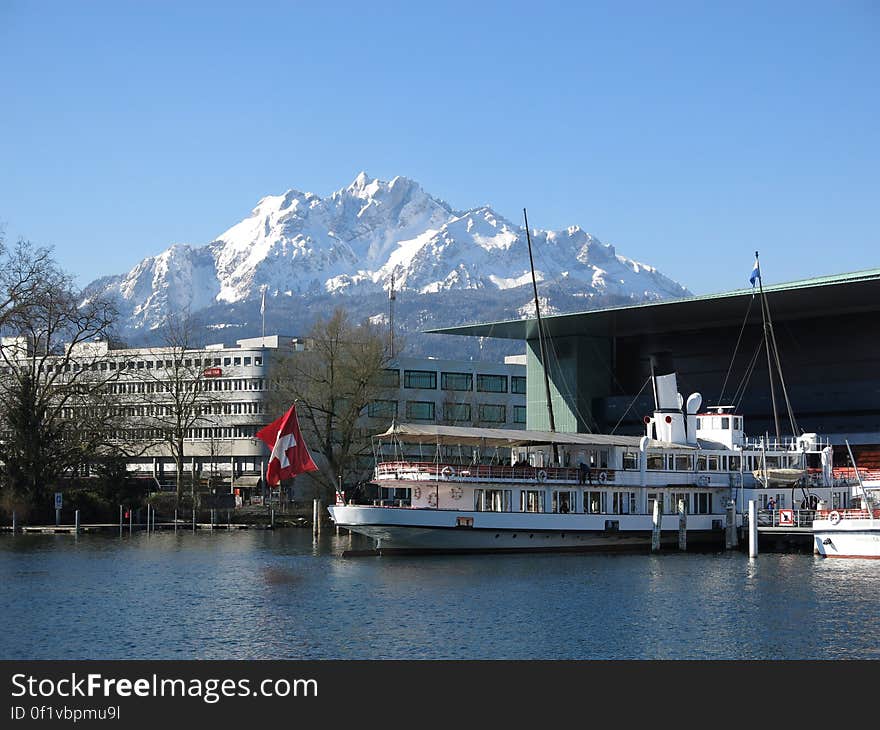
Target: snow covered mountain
310, 252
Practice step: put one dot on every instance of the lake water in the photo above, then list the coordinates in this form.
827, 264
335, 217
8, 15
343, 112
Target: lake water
277, 595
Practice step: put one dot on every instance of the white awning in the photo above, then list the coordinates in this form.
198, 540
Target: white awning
247, 481
508, 437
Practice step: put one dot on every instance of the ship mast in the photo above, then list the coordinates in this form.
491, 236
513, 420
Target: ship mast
544, 363
770, 342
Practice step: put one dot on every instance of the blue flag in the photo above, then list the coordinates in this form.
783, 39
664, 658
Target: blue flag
756, 274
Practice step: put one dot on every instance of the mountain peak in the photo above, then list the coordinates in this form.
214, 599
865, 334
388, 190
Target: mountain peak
304, 246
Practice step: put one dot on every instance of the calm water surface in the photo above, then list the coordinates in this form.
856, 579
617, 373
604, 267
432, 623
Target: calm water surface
278, 595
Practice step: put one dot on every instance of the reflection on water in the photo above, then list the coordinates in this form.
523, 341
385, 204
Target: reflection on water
279, 595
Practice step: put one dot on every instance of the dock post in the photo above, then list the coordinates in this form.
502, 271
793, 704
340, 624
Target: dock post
148, 518
272, 517
212, 518
76, 522
175, 520
120, 520
228, 525
130, 518
13, 523
316, 517
194, 519
655, 530
682, 525
753, 529
730, 539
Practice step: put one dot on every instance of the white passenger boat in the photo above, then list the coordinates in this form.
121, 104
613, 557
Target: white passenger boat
847, 533
457, 489
850, 533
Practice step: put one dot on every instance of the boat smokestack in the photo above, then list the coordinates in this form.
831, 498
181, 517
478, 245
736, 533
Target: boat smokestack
668, 418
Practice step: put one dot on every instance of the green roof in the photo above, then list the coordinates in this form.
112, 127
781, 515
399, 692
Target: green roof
856, 291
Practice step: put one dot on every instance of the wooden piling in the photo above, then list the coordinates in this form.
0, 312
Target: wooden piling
655, 530
730, 537
130, 520
175, 520
14, 526
76, 522
682, 525
272, 517
316, 517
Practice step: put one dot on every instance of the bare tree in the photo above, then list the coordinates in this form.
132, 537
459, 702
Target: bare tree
53, 391
332, 382
175, 393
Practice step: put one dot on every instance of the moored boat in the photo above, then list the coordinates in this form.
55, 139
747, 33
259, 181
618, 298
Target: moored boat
458, 489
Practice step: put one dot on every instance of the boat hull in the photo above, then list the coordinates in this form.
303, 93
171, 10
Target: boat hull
450, 531
847, 539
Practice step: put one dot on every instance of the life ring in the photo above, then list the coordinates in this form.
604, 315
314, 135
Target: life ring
834, 517
542, 475
417, 492
432, 500
455, 492
447, 471
603, 477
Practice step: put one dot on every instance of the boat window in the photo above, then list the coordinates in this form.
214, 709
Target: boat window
656, 462
701, 462
603, 459
699, 423
674, 499
595, 502
734, 463
725, 424
772, 462
652, 498
564, 501
630, 460
495, 500
738, 423
623, 503
714, 463
702, 503
531, 500
684, 463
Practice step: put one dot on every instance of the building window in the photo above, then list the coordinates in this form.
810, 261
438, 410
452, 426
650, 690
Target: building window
390, 378
456, 412
519, 414
518, 384
456, 381
420, 410
420, 379
247, 361
492, 383
382, 409
492, 413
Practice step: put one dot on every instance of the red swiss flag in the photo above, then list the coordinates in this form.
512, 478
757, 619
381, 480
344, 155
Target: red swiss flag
289, 455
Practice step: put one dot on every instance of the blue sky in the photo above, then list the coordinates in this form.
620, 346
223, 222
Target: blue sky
688, 134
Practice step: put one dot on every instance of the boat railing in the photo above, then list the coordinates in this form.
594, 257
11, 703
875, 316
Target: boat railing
486, 472
848, 514
848, 473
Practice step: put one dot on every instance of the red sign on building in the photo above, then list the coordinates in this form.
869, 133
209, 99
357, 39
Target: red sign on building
212, 372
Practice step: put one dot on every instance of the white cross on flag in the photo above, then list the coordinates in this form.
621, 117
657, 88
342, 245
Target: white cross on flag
289, 455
